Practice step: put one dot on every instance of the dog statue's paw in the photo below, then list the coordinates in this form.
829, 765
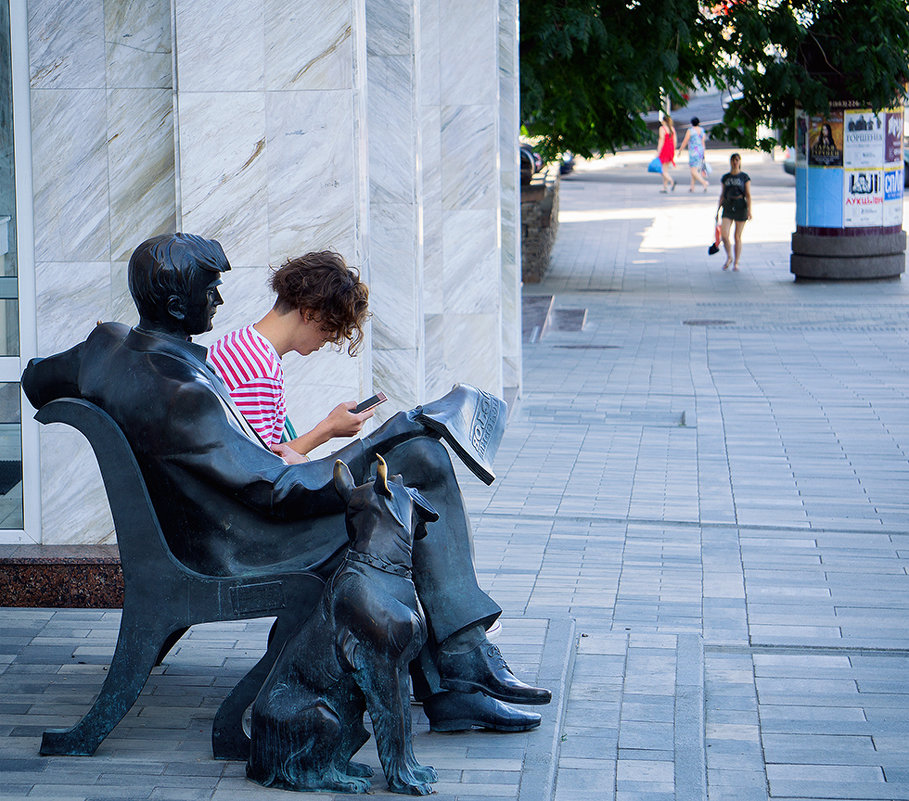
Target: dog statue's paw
409, 788
424, 773
359, 769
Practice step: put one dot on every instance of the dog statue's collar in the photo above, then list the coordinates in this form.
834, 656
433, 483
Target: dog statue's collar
379, 564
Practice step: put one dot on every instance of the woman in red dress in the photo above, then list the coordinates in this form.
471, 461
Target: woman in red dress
666, 151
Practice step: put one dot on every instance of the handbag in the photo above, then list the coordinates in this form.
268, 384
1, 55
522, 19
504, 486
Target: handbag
655, 165
715, 247
706, 168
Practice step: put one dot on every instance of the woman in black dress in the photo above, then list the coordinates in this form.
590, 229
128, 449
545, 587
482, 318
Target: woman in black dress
735, 204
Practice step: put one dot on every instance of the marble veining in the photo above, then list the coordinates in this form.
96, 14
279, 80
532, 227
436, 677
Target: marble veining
138, 41
142, 190
392, 129
69, 160
389, 27
470, 162
225, 188
312, 173
66, 44
309, 45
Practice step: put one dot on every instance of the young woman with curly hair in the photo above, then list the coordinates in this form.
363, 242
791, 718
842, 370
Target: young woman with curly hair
320, 300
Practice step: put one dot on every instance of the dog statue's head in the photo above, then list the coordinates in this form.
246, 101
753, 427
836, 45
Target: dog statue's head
383, 517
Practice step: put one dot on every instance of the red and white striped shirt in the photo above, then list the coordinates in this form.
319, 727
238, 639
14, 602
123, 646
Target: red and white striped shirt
251, 369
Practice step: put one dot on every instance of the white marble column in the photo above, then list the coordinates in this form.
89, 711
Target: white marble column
509, 127
272, 159
460, 124
395, 202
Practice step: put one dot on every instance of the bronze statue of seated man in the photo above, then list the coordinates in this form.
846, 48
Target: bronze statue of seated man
229, 506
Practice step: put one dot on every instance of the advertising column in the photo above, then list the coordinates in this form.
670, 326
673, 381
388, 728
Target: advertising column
849, 194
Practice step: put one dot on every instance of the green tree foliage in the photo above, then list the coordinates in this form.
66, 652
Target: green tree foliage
807, 53
590, 69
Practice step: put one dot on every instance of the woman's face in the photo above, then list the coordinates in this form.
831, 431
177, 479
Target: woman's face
735, 162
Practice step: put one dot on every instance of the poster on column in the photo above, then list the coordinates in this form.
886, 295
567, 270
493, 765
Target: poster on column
863, 141
825, 140
893, 195
863, 198
893, 137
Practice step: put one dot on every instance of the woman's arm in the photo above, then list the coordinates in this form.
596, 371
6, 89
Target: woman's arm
341, 422
685, 140
748, 196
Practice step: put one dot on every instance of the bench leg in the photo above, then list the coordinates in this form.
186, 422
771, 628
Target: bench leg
228, 739
138, 645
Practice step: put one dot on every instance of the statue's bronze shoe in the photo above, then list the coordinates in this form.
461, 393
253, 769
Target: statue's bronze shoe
483, 668
454, 711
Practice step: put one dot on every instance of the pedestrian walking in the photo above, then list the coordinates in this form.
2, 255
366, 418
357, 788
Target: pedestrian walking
696, 139
735, 204
666, 151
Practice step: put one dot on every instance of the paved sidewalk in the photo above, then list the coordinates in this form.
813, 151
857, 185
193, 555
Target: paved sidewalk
698, 536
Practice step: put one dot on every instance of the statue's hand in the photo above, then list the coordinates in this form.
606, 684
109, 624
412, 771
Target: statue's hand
288, 454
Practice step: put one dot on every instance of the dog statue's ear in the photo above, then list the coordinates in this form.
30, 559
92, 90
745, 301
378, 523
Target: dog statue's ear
344, 482
382, 487
424, 509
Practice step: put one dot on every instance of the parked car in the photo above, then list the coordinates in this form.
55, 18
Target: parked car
789, 161
531, 163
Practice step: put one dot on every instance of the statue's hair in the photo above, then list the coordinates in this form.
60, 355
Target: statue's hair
323, 285
163, 266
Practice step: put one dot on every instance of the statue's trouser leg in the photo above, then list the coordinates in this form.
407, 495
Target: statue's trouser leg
443, 569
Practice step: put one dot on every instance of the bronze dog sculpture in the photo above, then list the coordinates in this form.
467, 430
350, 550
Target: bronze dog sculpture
351, 656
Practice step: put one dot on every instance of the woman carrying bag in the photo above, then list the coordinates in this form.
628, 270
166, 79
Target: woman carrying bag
735, 204
696, 139
666, 151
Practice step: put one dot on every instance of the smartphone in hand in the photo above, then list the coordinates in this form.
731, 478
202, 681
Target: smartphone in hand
370, 403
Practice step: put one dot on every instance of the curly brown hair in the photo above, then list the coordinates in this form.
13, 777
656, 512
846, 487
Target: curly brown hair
323, 285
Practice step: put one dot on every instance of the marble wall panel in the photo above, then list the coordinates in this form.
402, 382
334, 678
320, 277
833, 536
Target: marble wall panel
510, 194
71, 298
141, 171
469, 160
433, 286
390, 27
392, 119
437, 371
74, 509
66, 44
220, 45
312, 168
69, 162
310, 45
224, 189
137, 35
470, 245
122, 308
468, 46
399, 374
430, 85
395, 290
472, 351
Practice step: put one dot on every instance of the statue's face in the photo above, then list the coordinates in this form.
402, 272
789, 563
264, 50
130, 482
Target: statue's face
203, 301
